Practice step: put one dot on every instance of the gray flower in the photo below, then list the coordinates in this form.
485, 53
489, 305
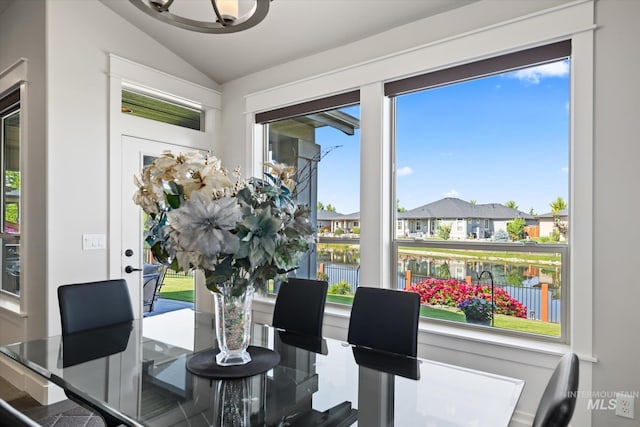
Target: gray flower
204, 226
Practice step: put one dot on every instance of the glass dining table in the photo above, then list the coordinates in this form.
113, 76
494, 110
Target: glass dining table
137, 373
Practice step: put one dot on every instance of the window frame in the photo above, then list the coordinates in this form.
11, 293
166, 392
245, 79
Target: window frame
466, 72
10, 103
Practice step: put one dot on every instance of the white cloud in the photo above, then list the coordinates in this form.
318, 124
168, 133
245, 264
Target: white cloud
452, 193
404, 171
564, 169
535, 74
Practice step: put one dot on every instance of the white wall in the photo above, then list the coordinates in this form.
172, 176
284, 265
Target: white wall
80, 37
616, 202
433, 41
22, 35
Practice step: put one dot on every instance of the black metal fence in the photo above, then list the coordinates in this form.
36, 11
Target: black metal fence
341, 272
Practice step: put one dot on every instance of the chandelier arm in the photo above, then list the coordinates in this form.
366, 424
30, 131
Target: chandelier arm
163, 7
218, 14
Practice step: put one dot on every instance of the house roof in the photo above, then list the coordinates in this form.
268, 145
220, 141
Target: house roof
451, 207
563, 212
331, 216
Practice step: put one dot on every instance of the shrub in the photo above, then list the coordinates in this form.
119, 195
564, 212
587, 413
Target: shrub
341, 288
452, 292
501, 236
321, 275
338, 231
444, 231
356, 230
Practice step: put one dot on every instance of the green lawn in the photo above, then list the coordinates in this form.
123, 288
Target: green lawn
182, 289
177, 288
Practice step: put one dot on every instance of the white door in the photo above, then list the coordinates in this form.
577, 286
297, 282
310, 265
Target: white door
136, 152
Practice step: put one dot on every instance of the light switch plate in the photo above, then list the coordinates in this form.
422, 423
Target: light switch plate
94, 241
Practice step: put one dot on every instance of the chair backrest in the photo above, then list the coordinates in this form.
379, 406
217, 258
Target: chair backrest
559, 397
300, 306
385, 319
85, 306
11, 417
150, 285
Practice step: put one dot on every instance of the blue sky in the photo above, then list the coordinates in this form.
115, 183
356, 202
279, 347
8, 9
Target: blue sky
494, 139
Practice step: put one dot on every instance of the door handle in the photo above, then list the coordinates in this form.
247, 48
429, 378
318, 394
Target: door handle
129, 269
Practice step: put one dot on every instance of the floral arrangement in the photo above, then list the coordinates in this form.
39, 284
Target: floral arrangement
477, 309
450, 292
240, 232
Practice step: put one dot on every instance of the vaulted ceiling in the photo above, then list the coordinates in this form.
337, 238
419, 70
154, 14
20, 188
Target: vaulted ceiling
292, 29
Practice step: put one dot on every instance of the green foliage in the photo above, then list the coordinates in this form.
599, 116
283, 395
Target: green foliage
477, 309
511, 204
321, 275
341, 288
338, 231
557, 205
356, 230
515, 228
444, 231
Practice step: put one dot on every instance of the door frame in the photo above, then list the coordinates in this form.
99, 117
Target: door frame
126, 73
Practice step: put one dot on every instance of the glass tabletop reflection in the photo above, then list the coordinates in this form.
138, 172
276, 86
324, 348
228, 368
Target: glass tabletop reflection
138, 372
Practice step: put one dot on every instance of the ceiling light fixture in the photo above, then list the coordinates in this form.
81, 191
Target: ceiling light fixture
229, 16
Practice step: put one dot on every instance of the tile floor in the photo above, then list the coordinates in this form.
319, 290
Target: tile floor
62, 414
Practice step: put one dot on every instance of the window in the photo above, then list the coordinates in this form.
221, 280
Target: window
155, 108
321, 139
476, 132
10, 201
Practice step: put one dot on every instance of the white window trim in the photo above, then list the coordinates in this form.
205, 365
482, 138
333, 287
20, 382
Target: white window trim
572, 20
127, 73
15, 76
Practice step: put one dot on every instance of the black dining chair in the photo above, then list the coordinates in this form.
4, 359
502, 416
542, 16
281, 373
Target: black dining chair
559, 398
11, 417
385, 319
300, 306
91, 306
152, 280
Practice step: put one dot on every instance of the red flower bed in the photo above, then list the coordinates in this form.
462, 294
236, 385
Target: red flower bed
453, 292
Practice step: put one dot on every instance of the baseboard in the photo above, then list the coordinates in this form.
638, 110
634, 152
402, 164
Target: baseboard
43, 391
521, 419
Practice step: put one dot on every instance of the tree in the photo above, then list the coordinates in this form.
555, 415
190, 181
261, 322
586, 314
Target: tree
330, 208
473, 202
557, 205
515, 228
559, 228
320, 206
398, 207
532, 212
511, 204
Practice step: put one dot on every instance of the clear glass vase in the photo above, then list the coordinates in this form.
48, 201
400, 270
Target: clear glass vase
232, 404
233, 324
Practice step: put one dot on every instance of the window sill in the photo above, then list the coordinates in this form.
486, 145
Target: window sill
337, 315
11, 304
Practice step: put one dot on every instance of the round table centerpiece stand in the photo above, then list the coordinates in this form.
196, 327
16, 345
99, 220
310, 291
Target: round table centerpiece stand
233, 358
